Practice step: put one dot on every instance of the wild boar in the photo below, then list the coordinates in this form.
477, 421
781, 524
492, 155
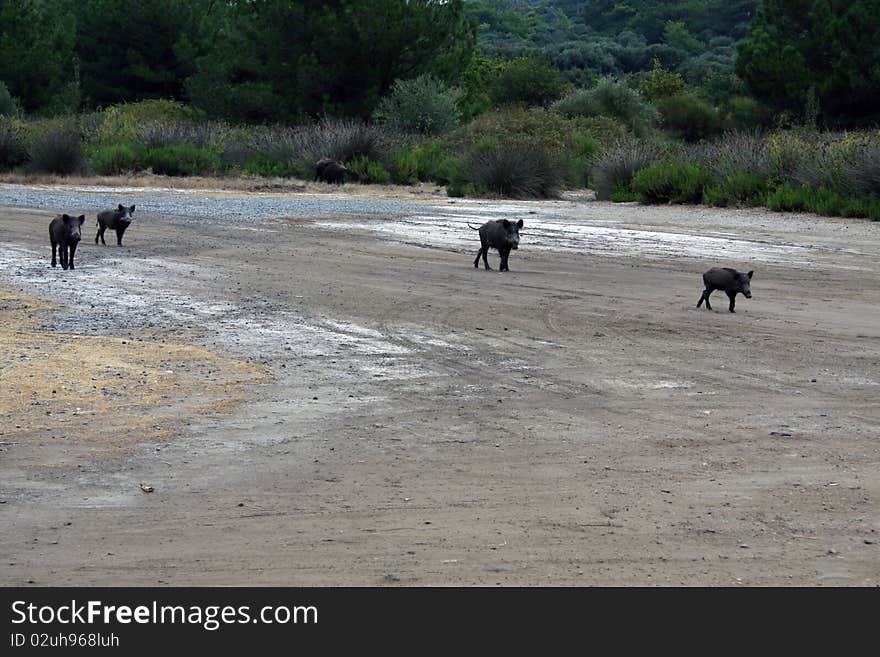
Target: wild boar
729, 280
65, 232
499, 234
118, 220
330, 171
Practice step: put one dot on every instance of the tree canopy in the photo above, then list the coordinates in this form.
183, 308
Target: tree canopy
802, 51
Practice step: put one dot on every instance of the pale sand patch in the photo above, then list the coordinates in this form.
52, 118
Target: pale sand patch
102, 393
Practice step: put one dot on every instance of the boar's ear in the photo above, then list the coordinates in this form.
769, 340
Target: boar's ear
506, 223
750, 274
81, 218
519, 224
131, 209
66, 218
119, 208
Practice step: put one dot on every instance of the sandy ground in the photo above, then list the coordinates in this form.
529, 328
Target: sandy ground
347, 401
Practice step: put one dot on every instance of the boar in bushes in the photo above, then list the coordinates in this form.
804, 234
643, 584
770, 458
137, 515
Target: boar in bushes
730, 281
330, 171
65, 233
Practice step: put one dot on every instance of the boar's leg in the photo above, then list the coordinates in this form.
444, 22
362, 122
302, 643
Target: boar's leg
732, 297
72, 251
477, 259
101, 235
505, 254
54, 246
705, 297
62, 255
120, 231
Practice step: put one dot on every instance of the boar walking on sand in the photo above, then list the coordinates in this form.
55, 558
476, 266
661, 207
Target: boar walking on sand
730, 281
499, 234
65, 233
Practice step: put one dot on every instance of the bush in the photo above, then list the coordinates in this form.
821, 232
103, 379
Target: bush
121, 123
13, 152
517, 169
612, 99
613, 170
861, 171
688, 117
736, 189
182, 160
823, 201
118, 158
529, 81
8, 106
368, 171
670, 182
57, 149
660, 83
423, 105
744, 113
342, 139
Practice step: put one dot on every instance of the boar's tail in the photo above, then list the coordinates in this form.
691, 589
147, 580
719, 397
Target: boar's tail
472, 228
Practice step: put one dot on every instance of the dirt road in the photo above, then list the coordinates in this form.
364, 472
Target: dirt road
325, 392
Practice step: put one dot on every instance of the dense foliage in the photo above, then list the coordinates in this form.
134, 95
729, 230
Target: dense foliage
641, 100
802, 52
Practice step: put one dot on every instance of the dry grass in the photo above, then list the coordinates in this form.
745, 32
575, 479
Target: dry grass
98, 394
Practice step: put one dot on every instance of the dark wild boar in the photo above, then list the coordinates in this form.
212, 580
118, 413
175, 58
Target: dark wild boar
499, 234
65, 233
118, 220
330, 171
730, 281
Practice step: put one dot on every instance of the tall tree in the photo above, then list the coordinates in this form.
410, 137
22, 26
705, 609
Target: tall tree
37, 62
280, 59
798, 51
135, 50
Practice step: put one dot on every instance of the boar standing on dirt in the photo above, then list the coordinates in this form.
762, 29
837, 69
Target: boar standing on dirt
118, 220
330, 171
65, 233
500, 234
729, 280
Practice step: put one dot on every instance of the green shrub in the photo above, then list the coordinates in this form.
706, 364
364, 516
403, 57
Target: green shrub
182, 160
8, 106
13, 152
745, 113
736, 189
368, 171
122, 122
670, 182
461, 189
57, 149
789, 198
277, 164
516, 169
529, 81
405, 168
423, 105
612, 99
688, 117
612, 170
119, 158
660, 83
